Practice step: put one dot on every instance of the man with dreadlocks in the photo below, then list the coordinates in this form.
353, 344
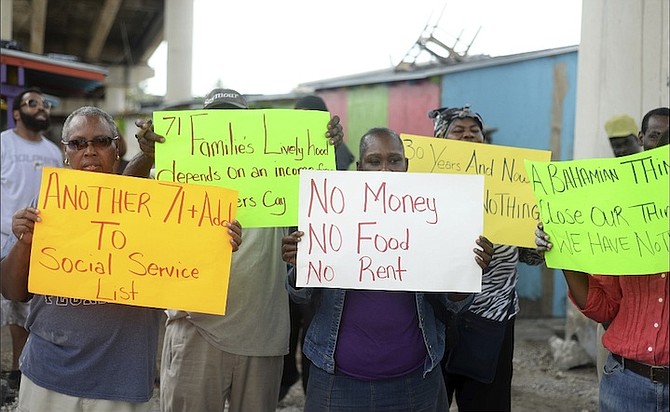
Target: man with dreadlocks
486, 388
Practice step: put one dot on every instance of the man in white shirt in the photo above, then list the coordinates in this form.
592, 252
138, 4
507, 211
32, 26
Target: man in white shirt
24, 151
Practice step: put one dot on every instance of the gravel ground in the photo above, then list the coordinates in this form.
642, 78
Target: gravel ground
537, 385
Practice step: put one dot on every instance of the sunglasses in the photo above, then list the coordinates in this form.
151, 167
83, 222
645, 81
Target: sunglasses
100, 142
32, 103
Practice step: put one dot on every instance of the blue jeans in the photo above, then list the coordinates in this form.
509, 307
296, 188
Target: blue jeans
326, 392
623, 390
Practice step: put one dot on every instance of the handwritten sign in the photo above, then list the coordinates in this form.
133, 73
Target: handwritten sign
257, 152
510, 211
606, 216
132, 241
389, 231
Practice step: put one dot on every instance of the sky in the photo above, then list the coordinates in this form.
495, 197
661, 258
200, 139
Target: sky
270, 46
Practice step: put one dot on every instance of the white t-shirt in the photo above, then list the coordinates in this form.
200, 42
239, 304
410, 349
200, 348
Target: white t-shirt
21, 164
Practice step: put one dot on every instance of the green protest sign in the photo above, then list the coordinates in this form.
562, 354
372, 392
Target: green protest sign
605, 216
259, 153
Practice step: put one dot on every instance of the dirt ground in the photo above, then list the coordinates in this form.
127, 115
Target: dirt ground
537, 385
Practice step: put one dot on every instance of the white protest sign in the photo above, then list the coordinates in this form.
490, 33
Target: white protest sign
389, 231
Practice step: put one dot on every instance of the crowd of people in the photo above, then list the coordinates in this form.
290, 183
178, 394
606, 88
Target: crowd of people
362, 350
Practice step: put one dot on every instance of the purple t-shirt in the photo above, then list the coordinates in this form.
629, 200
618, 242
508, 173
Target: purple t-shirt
379, 335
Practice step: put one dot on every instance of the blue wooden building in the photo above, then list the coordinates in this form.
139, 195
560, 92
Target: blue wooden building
528, 99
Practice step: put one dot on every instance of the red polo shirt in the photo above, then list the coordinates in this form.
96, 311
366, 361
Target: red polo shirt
637, 307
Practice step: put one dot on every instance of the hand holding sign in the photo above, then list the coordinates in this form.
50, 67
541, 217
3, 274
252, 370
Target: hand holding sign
605, 216
139, 242
258, 152
379, 230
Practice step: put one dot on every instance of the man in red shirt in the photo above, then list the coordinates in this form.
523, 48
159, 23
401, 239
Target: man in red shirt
635, 376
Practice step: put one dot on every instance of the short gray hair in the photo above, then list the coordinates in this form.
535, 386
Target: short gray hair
88, 111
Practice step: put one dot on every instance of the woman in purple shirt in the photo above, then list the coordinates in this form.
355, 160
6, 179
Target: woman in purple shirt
380, 350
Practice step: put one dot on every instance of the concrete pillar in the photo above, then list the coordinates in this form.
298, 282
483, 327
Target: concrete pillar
6, 19
119, 80
38, 18
179, 36
623, 67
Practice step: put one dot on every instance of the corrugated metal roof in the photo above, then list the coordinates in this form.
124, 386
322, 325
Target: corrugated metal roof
54, 76
56, 65
391, 75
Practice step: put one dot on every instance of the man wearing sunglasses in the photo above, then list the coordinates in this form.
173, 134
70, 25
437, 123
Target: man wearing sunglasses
24, 151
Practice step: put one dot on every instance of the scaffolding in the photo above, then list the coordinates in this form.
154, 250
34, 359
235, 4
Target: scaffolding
428, 44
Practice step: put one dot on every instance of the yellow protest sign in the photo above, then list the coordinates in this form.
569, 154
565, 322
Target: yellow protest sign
258, 152
605, 216
126, 240
510, 211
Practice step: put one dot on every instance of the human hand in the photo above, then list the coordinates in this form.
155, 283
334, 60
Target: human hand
289, 246
146, 137
542, 239
23, 224
483, 255
335, 133
235, 232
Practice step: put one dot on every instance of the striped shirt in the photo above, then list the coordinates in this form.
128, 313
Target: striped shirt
498, 281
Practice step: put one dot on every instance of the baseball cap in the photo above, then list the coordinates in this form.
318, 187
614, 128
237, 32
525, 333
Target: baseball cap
225, 99
621, 126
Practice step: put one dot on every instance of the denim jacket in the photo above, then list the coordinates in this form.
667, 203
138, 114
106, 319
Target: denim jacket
321, 337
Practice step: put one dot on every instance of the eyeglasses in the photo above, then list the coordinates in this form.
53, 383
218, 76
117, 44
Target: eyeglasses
100, 142
32, 103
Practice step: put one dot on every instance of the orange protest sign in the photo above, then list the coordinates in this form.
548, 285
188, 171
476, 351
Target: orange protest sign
126, 240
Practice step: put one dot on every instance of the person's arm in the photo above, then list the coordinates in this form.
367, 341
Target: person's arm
15, 265
578, 282
289, 250
297, 295
140, 165
14, 273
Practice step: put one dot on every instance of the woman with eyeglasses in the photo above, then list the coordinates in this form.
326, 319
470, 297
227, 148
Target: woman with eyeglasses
82, 355
24, 150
